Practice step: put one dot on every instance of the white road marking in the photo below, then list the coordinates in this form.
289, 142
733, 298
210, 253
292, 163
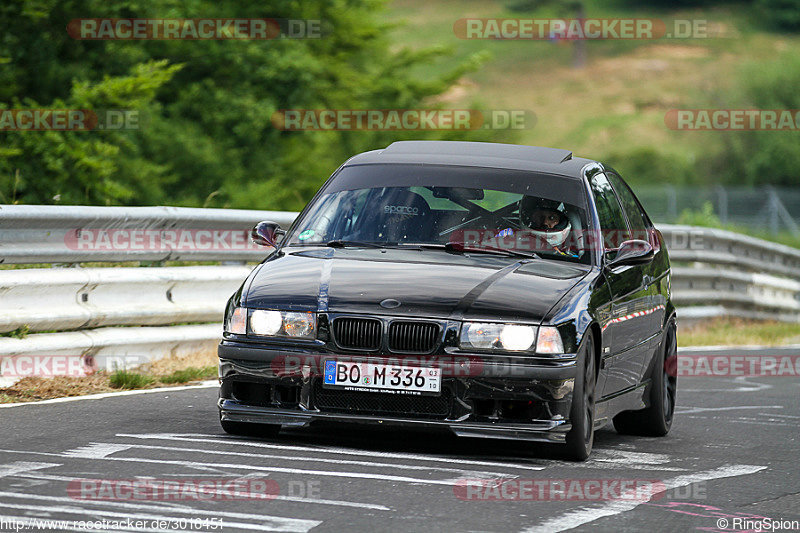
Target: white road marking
100, 396
282, 497
97, 450
623, 459
309, 459
745, 386
233, 466
691, 349
19, 467
740, 420
782, 416
194, 437
115, 515
276, 522
63, 525
629, 458
691, 410
579, 517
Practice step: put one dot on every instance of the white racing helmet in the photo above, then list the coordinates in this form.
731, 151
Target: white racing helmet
546, 219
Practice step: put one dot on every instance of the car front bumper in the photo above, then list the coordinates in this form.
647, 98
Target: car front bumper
491, 397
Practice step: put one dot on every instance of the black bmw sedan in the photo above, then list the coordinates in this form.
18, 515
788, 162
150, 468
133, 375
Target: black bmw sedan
491, 290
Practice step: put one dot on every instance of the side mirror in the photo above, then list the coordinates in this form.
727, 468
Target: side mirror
633, 252
266, 233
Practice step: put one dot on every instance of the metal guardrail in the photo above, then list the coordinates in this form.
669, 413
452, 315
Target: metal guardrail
724, 248
721, 273
73, 234
715, 272
58, 299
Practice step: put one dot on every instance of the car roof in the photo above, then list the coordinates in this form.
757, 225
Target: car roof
476, 154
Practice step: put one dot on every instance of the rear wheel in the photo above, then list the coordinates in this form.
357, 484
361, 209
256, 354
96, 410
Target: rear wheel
581, 437
246, 429
656, 420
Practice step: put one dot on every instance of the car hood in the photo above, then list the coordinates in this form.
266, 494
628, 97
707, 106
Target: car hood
426, 283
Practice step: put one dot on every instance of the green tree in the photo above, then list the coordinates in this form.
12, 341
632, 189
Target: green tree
764, 157
206, 135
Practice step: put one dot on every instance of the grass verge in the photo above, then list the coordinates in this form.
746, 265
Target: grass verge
737, 332
170, 371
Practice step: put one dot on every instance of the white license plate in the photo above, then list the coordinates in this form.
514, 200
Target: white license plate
399, 379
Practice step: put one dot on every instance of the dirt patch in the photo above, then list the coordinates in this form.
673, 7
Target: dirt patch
170, 364
31, 389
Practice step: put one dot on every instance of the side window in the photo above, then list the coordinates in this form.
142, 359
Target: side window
636, 218
612, 222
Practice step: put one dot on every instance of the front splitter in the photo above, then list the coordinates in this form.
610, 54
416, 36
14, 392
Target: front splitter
536, 430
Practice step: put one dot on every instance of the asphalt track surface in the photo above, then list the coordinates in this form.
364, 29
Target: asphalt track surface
732, 453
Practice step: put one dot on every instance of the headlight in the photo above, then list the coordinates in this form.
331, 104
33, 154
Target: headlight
237, 322
489, 336
265, 322
283, 323
511, 338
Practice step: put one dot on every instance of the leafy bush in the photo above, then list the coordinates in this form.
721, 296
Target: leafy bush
190, 374
207, 137
705, 217
781, 14
769, 157
648, 166
125, 379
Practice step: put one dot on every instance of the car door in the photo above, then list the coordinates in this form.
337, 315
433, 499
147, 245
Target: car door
652, 319
623, 360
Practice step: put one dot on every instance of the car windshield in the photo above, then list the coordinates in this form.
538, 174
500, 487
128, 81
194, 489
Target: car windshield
494, 211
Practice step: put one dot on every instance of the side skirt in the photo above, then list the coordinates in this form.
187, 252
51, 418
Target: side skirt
631, 399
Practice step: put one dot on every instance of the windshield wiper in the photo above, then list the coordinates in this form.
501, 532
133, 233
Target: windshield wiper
338, 243
458, 247
449, 247
485, 248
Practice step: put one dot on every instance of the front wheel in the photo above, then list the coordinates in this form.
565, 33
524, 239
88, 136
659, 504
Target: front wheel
656, 420
581, 437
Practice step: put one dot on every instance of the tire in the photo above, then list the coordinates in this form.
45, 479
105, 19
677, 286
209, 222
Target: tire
581, 437
656, 420
247, 429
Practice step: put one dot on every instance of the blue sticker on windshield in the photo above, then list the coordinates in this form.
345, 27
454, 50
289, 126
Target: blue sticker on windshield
306, 234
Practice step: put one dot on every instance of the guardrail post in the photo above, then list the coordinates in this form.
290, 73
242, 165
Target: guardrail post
722, 204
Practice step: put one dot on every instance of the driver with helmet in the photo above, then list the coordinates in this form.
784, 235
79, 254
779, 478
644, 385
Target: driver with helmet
547, 224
